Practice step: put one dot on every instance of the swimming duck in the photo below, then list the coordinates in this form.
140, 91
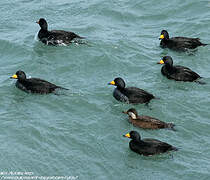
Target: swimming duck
146, 122
129, 94
33, 85
54, 37
178, 73
179, 43
147, 147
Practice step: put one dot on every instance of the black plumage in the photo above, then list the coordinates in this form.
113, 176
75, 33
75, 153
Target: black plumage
147, 147
147, 122
179, 43
34, 85
178, 73
130, 94
55, 37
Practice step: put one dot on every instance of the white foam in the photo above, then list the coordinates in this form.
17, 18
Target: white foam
61, 43
58, 42
36, 36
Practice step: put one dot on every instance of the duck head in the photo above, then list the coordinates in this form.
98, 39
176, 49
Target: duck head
42, 23
164, 35
20, 75
133, 135
167, 60
119, 82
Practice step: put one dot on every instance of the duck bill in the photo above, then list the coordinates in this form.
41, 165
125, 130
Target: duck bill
37, 22
14, 76
124, 112
161, 36
111, 83
127, 135
161, 62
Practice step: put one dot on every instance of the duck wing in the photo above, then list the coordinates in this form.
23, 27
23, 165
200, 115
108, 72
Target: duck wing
142, 148
148, 122
159, 146
189, 43
64, 35
36, 85
182, 73
148, 147
136, 95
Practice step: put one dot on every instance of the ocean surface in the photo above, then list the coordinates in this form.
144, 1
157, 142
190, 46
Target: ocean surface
78, 133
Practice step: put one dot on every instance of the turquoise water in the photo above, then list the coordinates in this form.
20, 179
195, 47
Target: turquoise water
79, 133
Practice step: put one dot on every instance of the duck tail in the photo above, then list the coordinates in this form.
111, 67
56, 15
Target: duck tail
174, 148
62, 88
202, 44
80, 37
171, 126
200, 82
156, 97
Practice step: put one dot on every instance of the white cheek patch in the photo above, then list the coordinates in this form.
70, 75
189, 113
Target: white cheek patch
132, 115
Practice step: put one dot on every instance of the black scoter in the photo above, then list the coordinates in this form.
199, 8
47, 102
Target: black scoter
179, 43
147, 147
178, 73
34, 85
55, 37
130, 94
146, 122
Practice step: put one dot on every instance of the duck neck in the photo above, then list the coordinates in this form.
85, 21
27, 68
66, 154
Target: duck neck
163, 43
165, 40
44, 26
43, 33
21, 80
138, 141
169, 67
44, 29
120, 88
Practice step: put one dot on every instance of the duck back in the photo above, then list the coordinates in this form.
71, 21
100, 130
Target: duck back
35, 85
147, 122
149, 147
136, 95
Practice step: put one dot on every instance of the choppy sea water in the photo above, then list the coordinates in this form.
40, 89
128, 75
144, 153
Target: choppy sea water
79, 133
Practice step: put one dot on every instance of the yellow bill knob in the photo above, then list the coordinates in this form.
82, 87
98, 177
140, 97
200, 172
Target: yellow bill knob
14, 76
161, 62
112, 83
128, 135
161, 36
